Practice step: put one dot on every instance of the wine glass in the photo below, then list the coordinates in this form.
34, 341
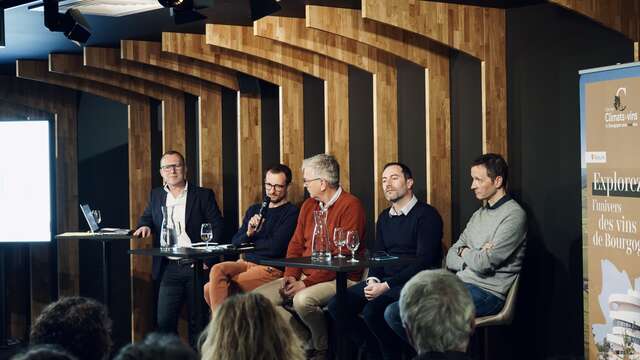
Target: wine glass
338, 240
353, 241
206, 234
97, 216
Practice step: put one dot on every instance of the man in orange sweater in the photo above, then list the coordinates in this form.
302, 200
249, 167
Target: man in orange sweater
311, 289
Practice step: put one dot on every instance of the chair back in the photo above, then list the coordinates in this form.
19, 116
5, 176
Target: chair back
505, 316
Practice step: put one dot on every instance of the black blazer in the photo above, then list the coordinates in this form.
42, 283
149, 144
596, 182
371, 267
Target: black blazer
201, 208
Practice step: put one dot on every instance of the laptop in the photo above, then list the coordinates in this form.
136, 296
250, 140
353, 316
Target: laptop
93, 224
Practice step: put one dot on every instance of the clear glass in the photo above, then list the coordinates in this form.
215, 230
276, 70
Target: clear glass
320, 247
353, 242
339, 240
97, 215
206, 234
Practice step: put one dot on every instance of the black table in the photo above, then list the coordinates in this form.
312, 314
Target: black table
342, 267
105, 239
198, 255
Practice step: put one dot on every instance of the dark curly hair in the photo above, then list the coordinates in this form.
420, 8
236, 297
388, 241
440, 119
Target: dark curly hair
157, 346
79, 325
44, 352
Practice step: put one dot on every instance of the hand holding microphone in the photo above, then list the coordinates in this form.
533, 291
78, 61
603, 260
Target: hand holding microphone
255, 223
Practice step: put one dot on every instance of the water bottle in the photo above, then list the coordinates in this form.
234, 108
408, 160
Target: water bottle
164, 231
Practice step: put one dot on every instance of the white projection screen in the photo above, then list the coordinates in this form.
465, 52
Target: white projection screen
25, 182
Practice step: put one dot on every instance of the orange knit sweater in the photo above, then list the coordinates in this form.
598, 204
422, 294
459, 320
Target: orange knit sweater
347, 212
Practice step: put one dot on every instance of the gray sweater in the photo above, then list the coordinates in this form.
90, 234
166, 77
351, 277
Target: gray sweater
494, 270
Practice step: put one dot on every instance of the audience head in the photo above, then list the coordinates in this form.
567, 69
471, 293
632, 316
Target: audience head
276, 182
247, 327
44, 352
173, 168
320, 172
157, 346
437, 312
490, 177
79, 325
397, 182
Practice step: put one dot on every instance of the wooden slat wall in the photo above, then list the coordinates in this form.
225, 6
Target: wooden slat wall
622, 16
334, 74
426, 53
290, 83
139, 177
478, 31
208, 95
379, 63
173, 117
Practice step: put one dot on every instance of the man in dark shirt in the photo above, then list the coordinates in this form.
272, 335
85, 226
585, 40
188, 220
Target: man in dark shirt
270, 232
408, 227
185, 207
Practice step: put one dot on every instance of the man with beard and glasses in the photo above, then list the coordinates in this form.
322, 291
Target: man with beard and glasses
270, 229
408, 228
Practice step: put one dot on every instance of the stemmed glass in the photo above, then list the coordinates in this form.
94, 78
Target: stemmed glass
206, 234
97, 215
339, 240
353, 241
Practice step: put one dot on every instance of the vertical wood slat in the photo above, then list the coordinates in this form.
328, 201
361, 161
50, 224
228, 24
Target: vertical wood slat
140, 178
382, 66
334, 73
292, 149
249, 144
478, 31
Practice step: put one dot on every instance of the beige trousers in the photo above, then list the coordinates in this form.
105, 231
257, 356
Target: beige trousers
308, 304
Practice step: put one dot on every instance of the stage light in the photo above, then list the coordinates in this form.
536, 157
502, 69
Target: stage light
184, 11
72, 23
262, 8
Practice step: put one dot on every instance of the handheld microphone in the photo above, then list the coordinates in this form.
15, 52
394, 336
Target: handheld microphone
264, 207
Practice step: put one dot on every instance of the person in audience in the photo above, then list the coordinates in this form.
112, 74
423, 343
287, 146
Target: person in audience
44, 352
438, 315
79, 325
409, 227
270, 228
247, 326
309, 289
157, 346
488, 254
187, 206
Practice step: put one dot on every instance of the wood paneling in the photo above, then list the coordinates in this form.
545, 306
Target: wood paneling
139, 177
334, 74
291, 105
173, 117
249, 144
478, 31
620, 15
434, 58
382, 66
62, 103
208, 96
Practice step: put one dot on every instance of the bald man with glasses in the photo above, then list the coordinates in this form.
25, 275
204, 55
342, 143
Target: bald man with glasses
270, 229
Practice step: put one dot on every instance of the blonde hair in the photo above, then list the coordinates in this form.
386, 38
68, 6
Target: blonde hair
247, 327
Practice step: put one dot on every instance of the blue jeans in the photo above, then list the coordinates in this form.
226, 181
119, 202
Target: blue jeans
485, 303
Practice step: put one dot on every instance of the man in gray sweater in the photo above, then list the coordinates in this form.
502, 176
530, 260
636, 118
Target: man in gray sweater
488, 255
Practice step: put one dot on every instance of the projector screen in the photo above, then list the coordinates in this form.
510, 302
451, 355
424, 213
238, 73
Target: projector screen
25, 182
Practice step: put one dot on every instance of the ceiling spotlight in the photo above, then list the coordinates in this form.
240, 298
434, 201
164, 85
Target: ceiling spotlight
184, 11
262, 8
72, 23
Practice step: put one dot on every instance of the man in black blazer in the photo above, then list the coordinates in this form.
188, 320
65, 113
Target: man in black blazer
187, 206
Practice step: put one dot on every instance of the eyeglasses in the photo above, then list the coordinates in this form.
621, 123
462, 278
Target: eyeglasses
171, 167
307, 181
269, 186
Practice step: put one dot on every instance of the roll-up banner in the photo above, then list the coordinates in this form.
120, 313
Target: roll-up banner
610, 161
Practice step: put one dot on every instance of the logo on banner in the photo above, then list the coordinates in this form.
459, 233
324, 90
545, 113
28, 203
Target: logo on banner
615, 117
